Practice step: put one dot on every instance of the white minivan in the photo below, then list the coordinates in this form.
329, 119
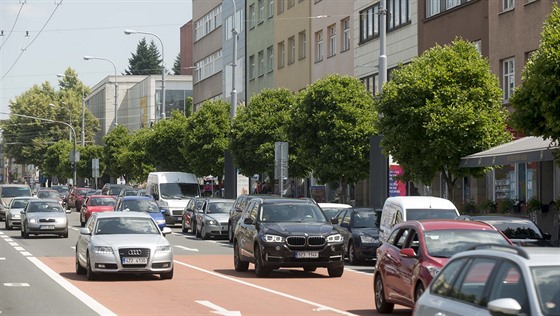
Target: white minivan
172, 191
403, 208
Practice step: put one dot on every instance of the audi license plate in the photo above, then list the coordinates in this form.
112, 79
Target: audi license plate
307, 254
47, 227
134, 260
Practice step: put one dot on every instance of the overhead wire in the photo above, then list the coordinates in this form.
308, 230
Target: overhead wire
13, 26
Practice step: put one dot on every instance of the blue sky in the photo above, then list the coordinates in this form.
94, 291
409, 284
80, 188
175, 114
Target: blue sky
78, 28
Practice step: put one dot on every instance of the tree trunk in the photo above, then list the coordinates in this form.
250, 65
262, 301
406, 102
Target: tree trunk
343, 190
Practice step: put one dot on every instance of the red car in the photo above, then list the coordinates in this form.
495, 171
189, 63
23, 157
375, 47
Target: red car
96, 203
75, 198
416, 251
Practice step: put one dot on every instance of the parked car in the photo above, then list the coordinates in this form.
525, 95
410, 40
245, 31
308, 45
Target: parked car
44, 216
8, 192
332, 209
521, 231
13, 217
417, 250
360, 229
496, 280
212, 220
96, 204
188, 219
123, 242
113, 189
133, 203
235, 212
286, 232
76, 197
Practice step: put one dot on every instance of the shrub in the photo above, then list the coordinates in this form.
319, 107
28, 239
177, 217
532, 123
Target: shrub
486, 206
505, 205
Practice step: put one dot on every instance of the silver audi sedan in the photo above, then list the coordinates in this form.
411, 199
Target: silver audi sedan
42, 217
123, 242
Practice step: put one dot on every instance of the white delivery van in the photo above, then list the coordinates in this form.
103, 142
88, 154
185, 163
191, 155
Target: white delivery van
404, 208
172, 191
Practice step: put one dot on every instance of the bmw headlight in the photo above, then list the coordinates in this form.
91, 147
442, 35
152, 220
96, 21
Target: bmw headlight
273, 238
433, 271
334, 238
367, 239
33, 221
163, 248
211, 222
103, 249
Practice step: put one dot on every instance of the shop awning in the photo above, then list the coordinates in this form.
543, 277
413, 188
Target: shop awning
526, 149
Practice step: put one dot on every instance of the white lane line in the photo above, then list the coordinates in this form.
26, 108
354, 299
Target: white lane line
13, 244
8, 239
188, 249
25, 253
19, 248
218, 309
2, 258
72, 289
16, 284
295, 298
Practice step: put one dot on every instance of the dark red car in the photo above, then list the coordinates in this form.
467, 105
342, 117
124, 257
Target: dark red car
75, 198
417, 250
96, 203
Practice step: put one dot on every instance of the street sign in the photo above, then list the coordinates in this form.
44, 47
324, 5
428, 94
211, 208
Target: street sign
95, 168
280, 160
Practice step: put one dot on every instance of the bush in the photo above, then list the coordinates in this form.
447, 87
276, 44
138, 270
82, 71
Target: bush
533, 205
469, 207
505, 205
486, 206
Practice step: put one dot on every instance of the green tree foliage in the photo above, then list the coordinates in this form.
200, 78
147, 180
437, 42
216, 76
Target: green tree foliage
135, 159
537, 101
163, 146
177, 65
444, 105
87, 153
57, 160
115, 142
257, 127
206, 138
188, 106
146, 61
332, 126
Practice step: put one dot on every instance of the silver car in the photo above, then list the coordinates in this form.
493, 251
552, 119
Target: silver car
212, 220
13, 216
123, 242
500, 280
42, 217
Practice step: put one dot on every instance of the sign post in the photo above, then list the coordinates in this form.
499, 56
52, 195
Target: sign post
95, 170
281, 164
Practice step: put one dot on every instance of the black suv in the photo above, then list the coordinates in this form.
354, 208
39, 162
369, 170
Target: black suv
238, 207
283, 232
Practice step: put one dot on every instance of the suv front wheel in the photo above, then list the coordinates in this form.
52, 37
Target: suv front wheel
240, 265
260, 270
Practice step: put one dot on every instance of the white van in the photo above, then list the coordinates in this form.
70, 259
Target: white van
403, 208
172, 191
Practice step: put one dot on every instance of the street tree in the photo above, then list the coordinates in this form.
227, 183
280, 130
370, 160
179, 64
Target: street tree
537, 100
57, 160
331, 126
115, 141
87, 154
444, 105
136, 160
165, 142
207, 138
177, 65
257, 127
146, 60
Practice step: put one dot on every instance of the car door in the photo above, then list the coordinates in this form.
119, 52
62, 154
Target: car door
246, 232
84, 239
392, 264
408, 268
343, 218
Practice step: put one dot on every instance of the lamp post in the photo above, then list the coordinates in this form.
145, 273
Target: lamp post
73, 156
116, 84
69, 117
229, 165
83, 134
128, 32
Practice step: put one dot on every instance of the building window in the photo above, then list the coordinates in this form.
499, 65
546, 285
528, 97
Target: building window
369, 83
252, 16
508, 5
369, 23
302, 41
209, 66
261, 11
281, 54
345, 25
261, 63
478, 45
280, 6
251, 67
434, 7
270, 62
292, 52
238, 24
270, 8
208, 23
319, 46
332, 40
399, 13
508, 71
291, 3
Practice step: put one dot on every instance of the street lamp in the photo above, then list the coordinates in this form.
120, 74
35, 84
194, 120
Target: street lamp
83, 109
116, 84
128, 32
229, 165
69, 116
73, 156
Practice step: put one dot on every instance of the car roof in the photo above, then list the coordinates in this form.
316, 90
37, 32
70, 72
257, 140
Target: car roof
334, 205
277, 200
532, 256
440, 224
499, 218
134, 197
25, 198
412, 202
122, 214
41, 200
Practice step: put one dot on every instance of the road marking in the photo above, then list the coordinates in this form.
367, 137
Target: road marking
25, 253
218, 309
19, 248
2, 258
295, 298
187, 249
16, 284
72, 289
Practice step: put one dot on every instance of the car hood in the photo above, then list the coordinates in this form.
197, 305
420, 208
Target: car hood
157, 215
92, 209
369, 231
219, 217
297, 228
46, 215
174, 203
129, 240
15, 210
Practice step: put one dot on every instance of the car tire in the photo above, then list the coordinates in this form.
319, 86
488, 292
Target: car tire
184, 228
8, 225
65, 235
79, 269
418, 292
193, 228
309, 269
82, 222
24, 233
260, 270
91, 276
203, 233
166, 275
197, 234
352, 257
381, 304
335, 272
240, 265
230, 233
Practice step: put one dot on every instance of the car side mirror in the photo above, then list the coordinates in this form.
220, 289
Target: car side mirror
166, 230
22, 212
248, 221
547, 236
504, 306
408, 253
334, 220
85, 231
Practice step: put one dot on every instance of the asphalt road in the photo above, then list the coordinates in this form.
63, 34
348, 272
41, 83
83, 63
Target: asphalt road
37, 277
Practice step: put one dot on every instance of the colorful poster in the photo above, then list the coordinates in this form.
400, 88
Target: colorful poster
396, 188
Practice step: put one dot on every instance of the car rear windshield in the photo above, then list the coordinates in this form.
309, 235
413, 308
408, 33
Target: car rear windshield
15, 191
219, 207
429, 213
446, 243
517, 229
